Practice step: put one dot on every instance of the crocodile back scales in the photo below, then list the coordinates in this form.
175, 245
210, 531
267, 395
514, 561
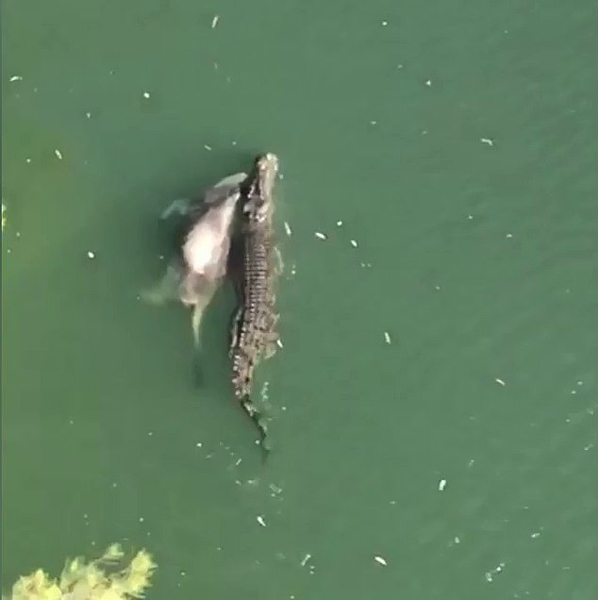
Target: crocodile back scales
256, 313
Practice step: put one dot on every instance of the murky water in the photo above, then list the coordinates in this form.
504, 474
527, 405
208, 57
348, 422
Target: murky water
434, 402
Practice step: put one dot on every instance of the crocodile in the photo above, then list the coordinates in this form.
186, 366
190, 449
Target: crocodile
254, 334
199, 266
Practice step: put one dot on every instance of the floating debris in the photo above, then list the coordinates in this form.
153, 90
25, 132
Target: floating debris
321, 236
287, 229
215, 21
441, 485
100, 578
198, 445
470, 217
208, 148
487, 141
429, 82
509, 236
490, 574
387, 337
58, 154
500, 382
16, 78
91, 254
354, 243
88, 115
384, 23
261, 521
381, 561
457, 540
339, 223
146, 95
305, 559
279, 343
535, 535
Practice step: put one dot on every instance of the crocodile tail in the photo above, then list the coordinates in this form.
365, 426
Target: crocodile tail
257, 419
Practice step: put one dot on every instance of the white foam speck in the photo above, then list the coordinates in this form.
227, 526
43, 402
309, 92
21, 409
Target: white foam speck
288, 229
490, 574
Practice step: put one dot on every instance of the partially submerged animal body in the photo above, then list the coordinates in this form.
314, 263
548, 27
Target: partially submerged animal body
196, 272
253, 332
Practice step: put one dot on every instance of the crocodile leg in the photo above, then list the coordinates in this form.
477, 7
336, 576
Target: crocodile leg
279, 266
271, 345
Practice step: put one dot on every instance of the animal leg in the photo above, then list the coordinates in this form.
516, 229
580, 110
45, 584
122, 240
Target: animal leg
167, 289
202, 300
279, 264
271, 343
179, 206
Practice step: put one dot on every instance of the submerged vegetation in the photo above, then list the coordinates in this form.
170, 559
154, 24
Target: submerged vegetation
100, 579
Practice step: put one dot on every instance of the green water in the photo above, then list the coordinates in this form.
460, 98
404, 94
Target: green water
477, 257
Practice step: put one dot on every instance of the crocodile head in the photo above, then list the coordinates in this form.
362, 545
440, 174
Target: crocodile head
259, 187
